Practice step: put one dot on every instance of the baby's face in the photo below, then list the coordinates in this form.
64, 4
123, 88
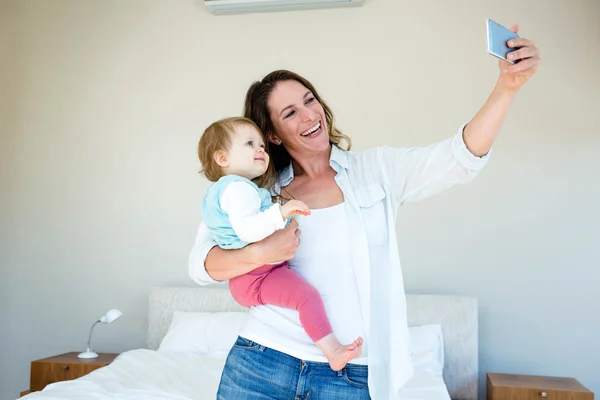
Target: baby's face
247, 156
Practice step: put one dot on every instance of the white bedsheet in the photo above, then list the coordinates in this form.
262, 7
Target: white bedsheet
151, 375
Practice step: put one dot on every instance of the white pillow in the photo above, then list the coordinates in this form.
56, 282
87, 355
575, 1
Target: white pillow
210, 333
427, 345
202, 332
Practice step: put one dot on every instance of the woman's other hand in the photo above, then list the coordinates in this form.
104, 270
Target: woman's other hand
279, 246
513, 76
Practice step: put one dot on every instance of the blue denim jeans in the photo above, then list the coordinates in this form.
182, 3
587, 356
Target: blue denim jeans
253, 371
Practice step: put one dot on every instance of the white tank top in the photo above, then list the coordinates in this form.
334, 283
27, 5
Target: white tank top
323, 259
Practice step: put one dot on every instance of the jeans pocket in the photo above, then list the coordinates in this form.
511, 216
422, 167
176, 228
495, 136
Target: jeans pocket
245, 344
358, 377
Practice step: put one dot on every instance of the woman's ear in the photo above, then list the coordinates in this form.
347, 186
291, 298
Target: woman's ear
221, 158
273, 139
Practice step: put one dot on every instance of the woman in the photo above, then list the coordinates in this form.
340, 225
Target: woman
348, 249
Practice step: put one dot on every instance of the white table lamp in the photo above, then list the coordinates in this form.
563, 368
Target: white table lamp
109, 317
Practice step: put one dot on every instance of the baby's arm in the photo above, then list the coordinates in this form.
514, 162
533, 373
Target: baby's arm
242, 203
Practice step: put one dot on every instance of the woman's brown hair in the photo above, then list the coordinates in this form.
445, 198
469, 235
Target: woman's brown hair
256, 108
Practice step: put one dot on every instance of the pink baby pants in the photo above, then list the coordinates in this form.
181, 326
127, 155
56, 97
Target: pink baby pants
280, 286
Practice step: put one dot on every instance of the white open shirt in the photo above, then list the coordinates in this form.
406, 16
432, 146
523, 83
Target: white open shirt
375, 182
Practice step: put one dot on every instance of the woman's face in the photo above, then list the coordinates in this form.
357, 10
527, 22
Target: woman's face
298, 118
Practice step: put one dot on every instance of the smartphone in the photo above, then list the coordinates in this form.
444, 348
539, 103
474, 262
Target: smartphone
497, 37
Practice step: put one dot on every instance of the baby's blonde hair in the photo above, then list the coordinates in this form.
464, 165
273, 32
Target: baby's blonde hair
218, 137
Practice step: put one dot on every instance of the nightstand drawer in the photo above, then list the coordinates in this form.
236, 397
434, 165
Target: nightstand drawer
65, 367
43, 374
531, 387
510, 393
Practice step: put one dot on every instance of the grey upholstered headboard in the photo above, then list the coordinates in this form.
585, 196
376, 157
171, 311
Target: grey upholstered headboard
457, 315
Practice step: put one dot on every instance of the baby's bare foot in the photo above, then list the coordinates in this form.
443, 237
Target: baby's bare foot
343, 354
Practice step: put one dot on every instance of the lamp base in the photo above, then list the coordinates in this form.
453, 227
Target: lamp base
87, 354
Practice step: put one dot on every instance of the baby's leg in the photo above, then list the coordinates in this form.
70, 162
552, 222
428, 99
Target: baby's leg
284, 287
245, 289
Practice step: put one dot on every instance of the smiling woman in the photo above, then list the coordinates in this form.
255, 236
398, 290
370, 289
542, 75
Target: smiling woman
239, 212
350, 244
269, 116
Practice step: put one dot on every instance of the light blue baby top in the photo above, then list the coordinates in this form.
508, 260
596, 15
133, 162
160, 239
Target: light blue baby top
217, 220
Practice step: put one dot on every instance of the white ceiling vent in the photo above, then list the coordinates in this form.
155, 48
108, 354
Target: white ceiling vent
220, 7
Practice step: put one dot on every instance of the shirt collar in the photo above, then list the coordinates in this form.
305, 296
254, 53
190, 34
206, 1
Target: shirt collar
337, 159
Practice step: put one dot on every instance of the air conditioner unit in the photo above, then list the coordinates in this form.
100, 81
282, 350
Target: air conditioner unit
220, 7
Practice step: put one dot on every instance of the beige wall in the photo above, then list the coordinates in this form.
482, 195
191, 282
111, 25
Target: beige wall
102, 103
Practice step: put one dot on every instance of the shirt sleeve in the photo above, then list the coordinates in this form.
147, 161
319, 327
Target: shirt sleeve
420, 172
197, 257
242, 204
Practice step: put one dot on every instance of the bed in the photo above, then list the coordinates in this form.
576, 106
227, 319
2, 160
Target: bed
172, 368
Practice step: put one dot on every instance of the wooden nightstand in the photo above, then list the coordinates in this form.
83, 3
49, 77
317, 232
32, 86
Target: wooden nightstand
531, 387
64, 367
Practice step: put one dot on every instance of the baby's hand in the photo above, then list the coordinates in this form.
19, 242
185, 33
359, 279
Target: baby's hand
294, 207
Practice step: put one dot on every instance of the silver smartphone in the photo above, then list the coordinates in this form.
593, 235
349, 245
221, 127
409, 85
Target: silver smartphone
497, 37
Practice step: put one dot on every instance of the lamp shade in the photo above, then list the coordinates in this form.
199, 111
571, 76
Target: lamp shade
110, 316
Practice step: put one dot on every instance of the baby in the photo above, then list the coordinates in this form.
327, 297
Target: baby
238, 212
